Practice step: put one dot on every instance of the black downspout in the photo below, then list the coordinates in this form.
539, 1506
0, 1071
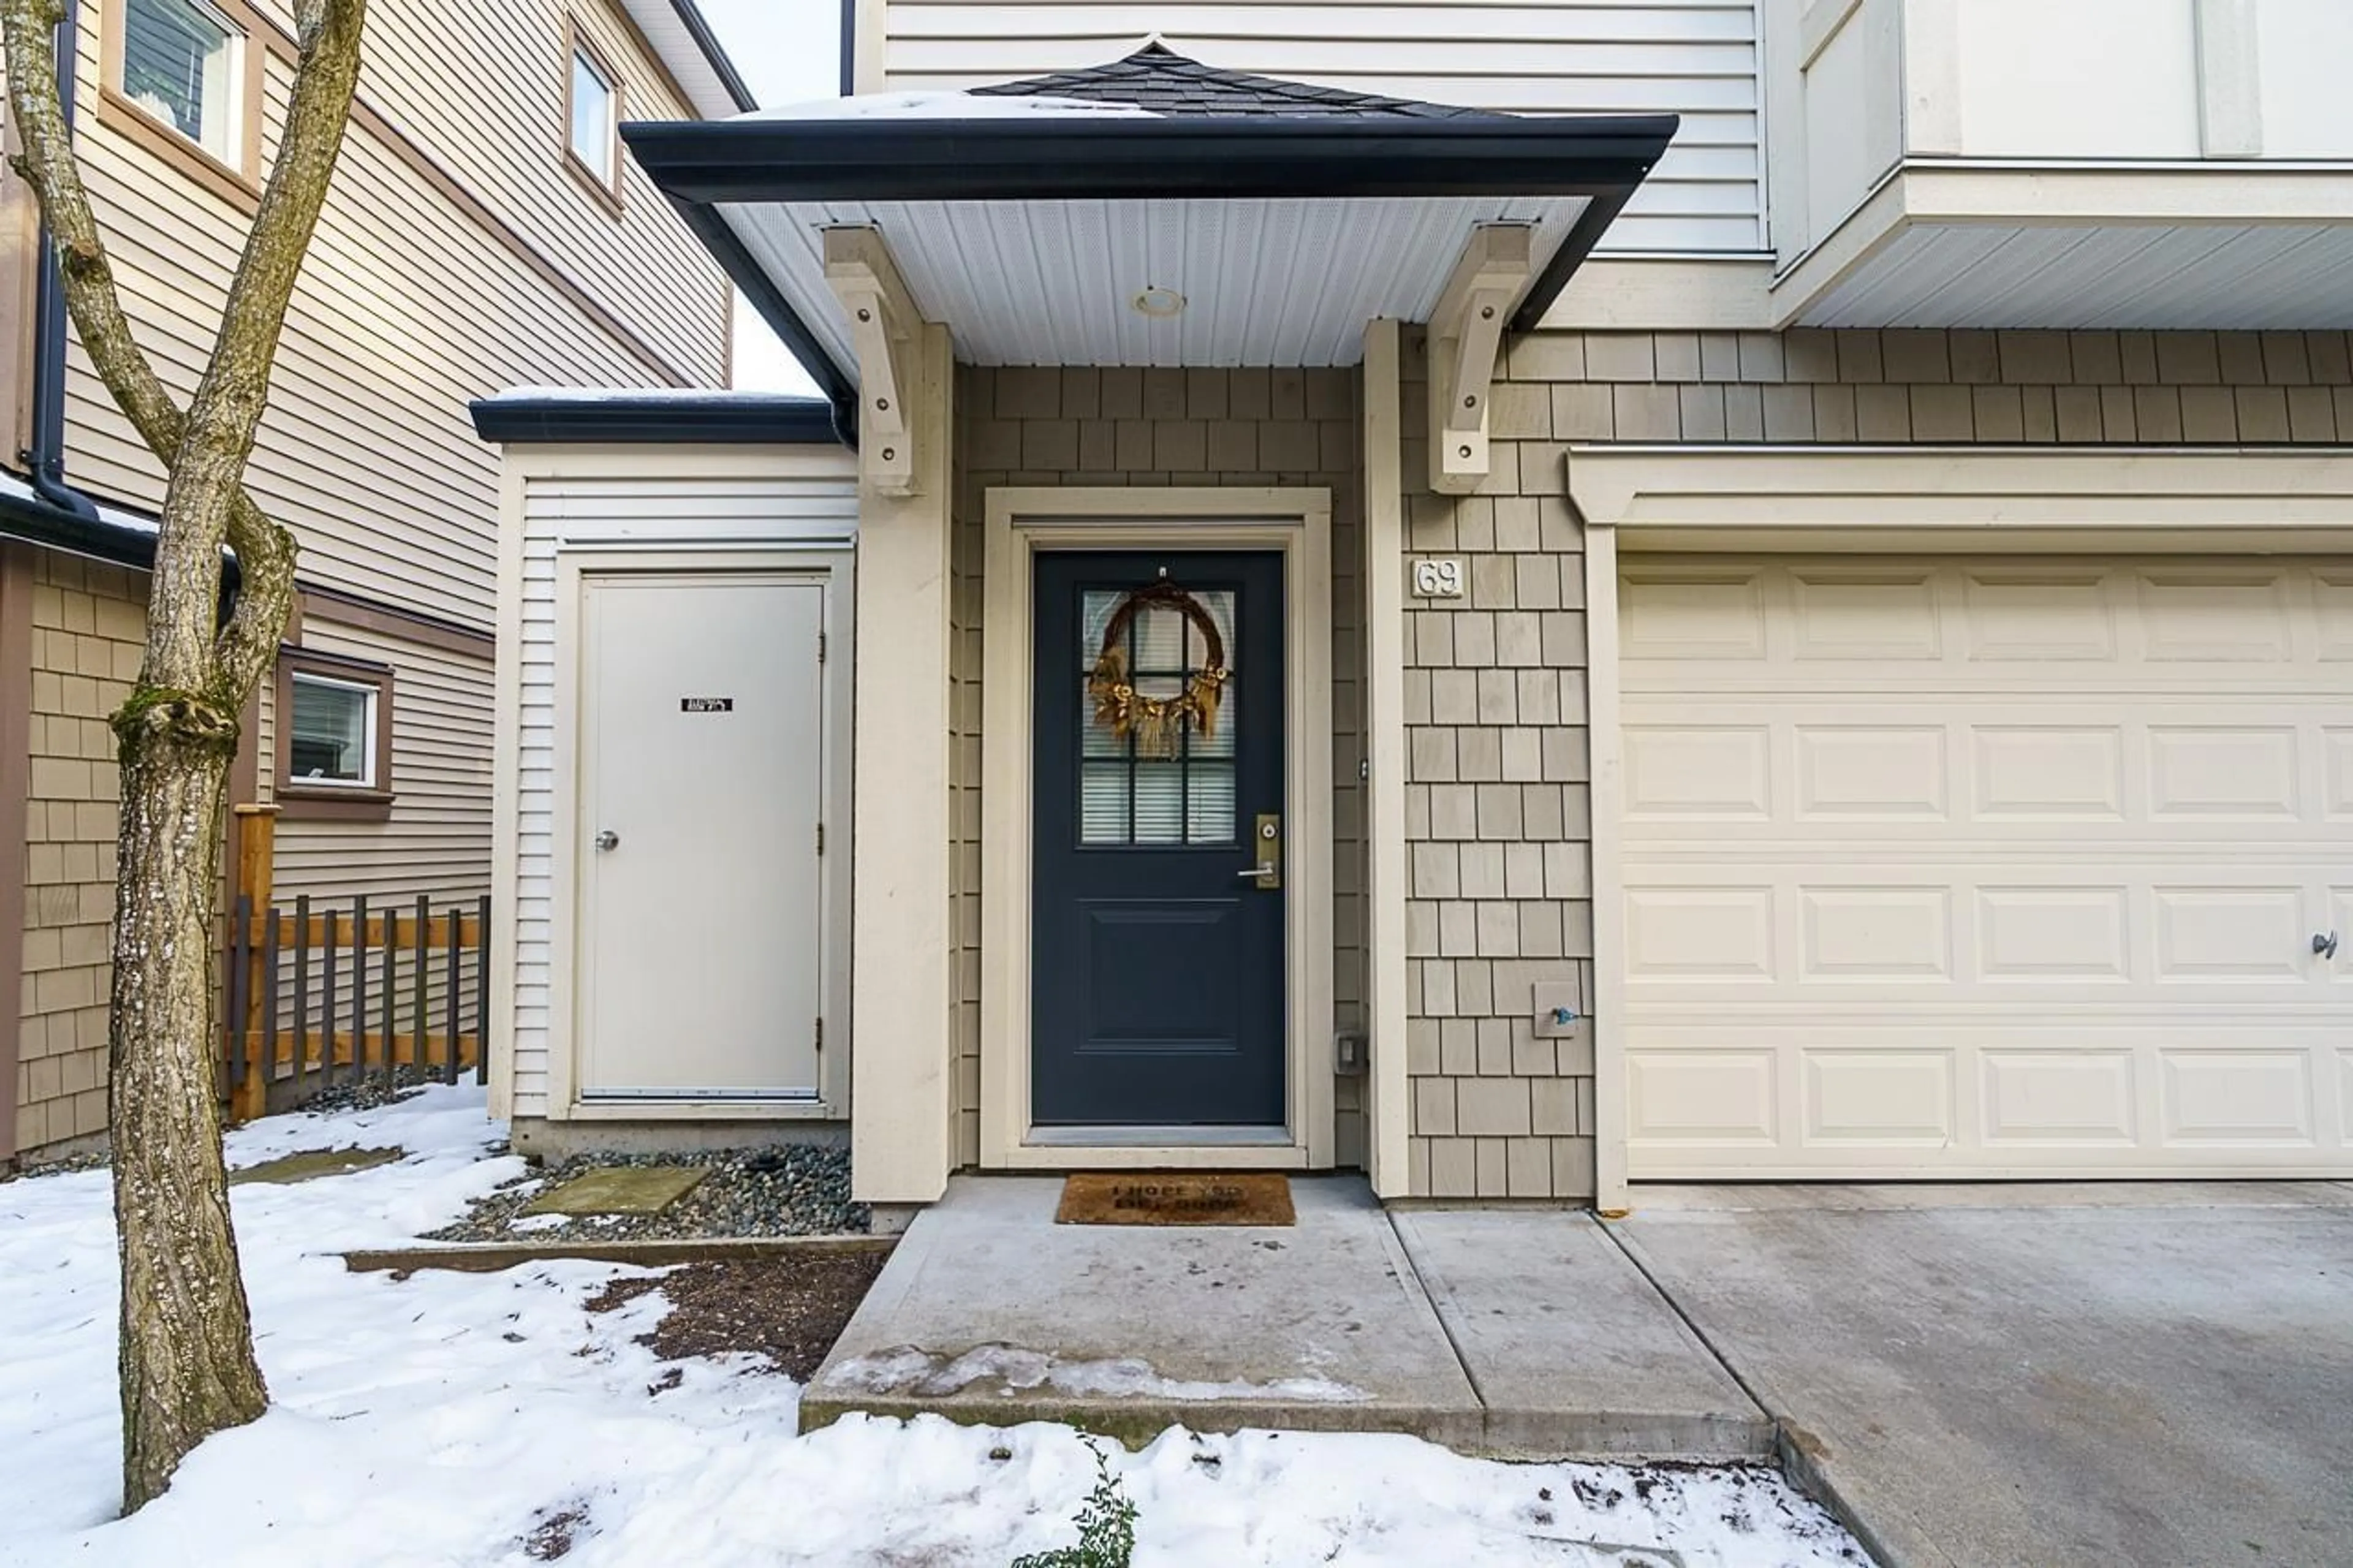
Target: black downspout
46, 459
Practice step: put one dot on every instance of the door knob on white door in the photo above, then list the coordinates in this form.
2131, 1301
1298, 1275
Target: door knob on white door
609, 840
2325, 943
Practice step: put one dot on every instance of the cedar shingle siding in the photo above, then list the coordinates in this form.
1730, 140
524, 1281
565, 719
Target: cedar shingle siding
1498, 813
1131, 427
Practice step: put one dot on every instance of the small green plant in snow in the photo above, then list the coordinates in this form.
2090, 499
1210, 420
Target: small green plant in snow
1106, 1527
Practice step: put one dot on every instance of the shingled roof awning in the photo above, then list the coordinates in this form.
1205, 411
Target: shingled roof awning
1154, 211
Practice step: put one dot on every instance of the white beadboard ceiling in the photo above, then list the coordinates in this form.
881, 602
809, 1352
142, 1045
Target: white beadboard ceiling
1266, 282
2222, 277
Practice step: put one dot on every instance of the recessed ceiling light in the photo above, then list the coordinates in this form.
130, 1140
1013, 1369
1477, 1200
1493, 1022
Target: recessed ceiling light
1159, 303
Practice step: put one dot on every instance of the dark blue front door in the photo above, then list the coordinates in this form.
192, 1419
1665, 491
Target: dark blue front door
1157, 989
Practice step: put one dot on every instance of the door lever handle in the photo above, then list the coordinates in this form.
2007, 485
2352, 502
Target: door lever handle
2325, 943
1264, 868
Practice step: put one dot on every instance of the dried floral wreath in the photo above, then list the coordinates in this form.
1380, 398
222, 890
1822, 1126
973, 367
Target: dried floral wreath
1157, 721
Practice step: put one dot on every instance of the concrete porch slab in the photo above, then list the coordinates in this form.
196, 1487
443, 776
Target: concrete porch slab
1523, 1334
989, 1312
1568, 1346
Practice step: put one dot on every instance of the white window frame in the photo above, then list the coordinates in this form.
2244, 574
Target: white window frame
231, 168
601, 173
373, 694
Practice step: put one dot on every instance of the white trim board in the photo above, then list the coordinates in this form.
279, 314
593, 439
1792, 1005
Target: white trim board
1020, 523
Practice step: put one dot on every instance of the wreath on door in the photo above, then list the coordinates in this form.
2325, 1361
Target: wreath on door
1156, 721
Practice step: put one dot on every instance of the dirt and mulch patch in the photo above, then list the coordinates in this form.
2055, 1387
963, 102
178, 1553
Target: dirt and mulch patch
788, 1311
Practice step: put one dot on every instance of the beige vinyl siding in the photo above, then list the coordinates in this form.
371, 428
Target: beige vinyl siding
438, 839
483, 88
1165, 427
658, 507
406, 311
1698, 59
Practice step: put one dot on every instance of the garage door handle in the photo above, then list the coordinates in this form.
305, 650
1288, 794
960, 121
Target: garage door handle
609, 840
2325, 943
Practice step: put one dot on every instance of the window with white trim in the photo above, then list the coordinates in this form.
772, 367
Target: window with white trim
334, 744
593, 108
184, 67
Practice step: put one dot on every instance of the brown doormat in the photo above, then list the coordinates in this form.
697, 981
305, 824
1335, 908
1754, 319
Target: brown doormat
1255, 1198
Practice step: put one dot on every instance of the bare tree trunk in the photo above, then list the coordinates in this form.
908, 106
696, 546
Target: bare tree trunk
188, 1363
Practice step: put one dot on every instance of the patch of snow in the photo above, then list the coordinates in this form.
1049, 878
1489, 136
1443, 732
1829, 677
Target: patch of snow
534, 1222
1015, 1369
951, 106
440, 1419
685, 396
16, 488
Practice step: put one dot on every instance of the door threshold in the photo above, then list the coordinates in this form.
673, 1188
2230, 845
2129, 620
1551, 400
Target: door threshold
1159, 1138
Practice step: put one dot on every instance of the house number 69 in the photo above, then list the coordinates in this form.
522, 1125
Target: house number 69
1437, 579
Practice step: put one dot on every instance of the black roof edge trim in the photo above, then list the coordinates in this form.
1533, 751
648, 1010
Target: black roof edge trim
697, 28
100, 538
1241, 157
719, 238
748, 417
1582, 236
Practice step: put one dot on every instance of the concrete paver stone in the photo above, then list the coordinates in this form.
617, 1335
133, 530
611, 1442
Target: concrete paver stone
619, 1189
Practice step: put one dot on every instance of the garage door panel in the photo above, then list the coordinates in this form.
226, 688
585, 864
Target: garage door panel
1867, 1096
1846, 613
2039, 614
2215, 615
1869, 772
2070, 1097
2004, 867
2200, 772
2237, 1098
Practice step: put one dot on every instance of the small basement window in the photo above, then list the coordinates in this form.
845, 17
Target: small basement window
593, 121
334, 735
182, 67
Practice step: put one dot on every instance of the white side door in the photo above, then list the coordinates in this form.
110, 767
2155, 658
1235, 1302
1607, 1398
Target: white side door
702, 763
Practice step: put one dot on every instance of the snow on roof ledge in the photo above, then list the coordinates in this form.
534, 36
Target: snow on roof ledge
949, 106
690, 395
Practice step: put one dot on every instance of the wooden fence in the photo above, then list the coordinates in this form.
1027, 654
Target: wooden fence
318, 996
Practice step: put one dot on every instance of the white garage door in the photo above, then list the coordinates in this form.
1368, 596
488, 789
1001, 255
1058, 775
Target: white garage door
2000, 867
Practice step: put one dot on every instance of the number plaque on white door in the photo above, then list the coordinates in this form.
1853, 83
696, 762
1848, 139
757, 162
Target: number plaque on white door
1438, 577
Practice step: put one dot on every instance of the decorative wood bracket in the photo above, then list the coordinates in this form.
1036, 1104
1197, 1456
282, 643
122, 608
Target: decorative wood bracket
1466, 335
884, 329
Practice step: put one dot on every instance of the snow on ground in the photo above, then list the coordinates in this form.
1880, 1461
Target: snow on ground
443, 1419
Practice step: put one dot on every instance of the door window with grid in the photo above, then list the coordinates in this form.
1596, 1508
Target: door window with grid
1127, 797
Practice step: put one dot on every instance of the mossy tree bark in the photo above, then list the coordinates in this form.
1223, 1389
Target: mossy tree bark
188, 1365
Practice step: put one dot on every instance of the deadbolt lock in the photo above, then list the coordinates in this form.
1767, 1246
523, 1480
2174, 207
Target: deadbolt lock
1266, 849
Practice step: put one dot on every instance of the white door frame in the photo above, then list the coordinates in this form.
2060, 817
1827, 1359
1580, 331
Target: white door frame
575, 570
1020, 522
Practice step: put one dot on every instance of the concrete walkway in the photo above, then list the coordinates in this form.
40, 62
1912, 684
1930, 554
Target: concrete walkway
1522, 1333
2159, 1375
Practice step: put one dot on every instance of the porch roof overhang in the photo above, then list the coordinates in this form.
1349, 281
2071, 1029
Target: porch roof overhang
1280, 223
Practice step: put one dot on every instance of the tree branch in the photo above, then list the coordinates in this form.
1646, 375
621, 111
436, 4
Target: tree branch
274, 249
225, 413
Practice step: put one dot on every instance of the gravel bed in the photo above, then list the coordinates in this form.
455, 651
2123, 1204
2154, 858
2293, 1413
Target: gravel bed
96, 1159
792, 1190
367, 1093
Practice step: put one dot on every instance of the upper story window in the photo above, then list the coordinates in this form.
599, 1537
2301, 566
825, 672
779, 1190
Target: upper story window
592, 113
182, 78
180, 64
